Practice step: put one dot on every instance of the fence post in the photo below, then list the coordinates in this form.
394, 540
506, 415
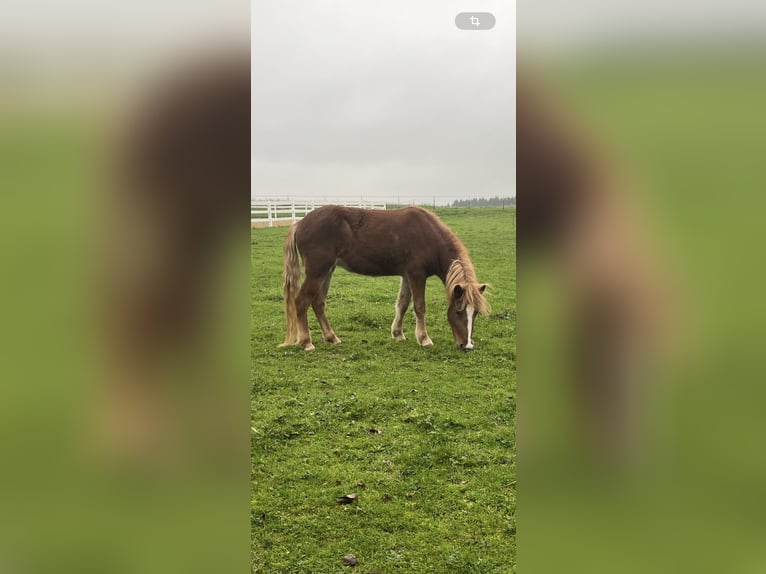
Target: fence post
268, 213
292, 204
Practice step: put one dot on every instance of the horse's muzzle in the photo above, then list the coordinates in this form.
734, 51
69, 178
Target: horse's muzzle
465, 347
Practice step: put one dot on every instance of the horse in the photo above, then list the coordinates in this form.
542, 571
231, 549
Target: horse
412, 243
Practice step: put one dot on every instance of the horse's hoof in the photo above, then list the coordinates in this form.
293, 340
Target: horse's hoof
427, 342
399, 337
336, 341
309, 347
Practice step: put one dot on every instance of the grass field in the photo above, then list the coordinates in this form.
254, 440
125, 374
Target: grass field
424, 436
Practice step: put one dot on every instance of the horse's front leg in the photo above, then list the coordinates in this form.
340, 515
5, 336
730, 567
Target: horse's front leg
418, 288
402, 303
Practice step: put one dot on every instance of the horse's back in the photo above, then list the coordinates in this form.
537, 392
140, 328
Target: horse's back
332, 221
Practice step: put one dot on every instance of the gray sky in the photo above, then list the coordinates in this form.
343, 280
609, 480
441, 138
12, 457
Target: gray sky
382, 100
563, 26
105, 33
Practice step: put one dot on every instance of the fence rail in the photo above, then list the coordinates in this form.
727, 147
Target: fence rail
267, 213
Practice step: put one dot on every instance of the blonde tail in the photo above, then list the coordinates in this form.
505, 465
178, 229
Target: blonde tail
291, 277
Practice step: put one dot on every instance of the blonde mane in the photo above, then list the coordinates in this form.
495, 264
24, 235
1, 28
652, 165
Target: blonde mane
461, 273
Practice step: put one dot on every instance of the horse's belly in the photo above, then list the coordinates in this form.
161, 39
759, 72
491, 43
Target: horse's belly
376, 267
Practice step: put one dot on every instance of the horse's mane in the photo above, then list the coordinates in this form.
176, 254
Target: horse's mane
461, 273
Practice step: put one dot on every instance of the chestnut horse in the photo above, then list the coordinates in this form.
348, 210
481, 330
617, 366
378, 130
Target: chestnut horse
412, 243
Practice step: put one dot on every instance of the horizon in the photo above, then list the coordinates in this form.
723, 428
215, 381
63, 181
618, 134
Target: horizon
397, 200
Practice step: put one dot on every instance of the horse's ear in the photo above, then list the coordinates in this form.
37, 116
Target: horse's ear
458, 291
482, 287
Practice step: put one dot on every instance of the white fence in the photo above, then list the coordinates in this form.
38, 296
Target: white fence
268, 213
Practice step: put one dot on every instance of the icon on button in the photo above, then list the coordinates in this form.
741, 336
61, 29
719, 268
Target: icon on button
475, 21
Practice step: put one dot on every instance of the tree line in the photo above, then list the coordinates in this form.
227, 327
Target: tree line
485, 202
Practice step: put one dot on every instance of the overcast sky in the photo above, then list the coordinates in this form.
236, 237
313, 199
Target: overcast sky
567, 25
382, 100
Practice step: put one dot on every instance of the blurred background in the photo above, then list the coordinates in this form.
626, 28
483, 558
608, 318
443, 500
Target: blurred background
650, 290
641, 293
124, 407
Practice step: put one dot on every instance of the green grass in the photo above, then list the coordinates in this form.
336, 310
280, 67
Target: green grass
436, 485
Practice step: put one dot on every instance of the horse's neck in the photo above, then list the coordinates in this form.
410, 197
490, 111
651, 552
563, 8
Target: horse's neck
454, 251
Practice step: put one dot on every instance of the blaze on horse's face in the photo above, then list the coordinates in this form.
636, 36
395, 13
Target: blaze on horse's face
462, 317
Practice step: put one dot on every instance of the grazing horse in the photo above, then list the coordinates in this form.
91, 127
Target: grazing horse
412, 243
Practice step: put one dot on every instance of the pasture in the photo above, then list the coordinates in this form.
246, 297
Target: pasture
424, 437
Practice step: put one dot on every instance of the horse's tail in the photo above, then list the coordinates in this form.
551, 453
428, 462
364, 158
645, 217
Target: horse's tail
291, 277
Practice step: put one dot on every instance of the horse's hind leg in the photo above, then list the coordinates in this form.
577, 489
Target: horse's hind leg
306, 295
319, 310
402, 303
418, 288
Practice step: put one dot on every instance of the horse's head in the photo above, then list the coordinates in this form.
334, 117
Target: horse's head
466, 302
